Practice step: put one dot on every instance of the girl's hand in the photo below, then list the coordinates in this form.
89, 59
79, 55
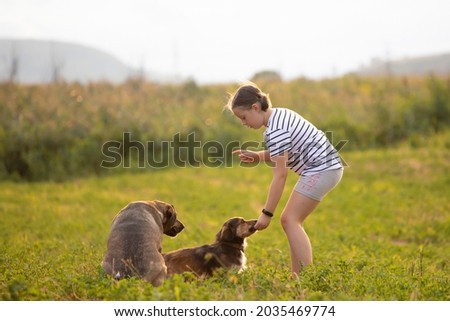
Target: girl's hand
247, 156
263, 222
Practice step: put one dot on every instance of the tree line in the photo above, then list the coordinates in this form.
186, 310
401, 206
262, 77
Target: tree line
58, 131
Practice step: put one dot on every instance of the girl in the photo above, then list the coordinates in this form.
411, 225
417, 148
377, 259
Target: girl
292, 142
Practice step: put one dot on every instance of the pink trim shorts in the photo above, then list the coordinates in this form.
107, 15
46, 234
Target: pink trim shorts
318, 185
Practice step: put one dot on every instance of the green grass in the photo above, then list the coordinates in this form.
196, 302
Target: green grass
382, 234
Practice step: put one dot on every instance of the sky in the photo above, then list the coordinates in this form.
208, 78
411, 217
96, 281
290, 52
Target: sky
230, 40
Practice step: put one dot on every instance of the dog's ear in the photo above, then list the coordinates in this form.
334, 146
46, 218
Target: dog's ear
226, 233
169, 215
171, 225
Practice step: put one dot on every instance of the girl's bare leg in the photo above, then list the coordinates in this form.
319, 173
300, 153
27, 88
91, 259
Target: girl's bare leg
294, 214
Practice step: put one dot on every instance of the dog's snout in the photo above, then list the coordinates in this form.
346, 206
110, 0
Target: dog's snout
174, 230
252, 227
179, 227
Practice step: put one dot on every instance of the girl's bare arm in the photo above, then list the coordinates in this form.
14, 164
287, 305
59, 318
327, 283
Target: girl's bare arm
248, 156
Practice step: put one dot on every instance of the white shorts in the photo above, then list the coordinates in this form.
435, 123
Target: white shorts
318, 185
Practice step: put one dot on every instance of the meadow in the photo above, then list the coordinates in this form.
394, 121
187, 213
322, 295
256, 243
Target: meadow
382, 234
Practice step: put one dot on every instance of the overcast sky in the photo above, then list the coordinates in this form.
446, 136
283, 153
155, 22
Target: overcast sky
230, 40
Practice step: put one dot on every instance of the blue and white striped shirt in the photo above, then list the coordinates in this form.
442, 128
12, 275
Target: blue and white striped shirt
309, 150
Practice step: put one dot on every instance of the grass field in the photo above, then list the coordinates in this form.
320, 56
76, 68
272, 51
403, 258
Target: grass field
382, 234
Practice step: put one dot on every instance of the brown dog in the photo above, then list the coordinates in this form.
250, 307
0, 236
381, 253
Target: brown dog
134, 243
226, 252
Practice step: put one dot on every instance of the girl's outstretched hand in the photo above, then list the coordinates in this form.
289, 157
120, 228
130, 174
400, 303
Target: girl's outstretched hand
263, 222
247, 156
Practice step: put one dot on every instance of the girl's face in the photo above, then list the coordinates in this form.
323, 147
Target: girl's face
252, 118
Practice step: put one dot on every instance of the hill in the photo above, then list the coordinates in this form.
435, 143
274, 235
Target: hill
436, 64
36, 61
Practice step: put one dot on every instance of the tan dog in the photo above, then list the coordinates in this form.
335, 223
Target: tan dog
227, 251
134, 243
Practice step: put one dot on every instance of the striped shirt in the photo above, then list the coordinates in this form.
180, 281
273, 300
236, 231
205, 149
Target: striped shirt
309, 150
